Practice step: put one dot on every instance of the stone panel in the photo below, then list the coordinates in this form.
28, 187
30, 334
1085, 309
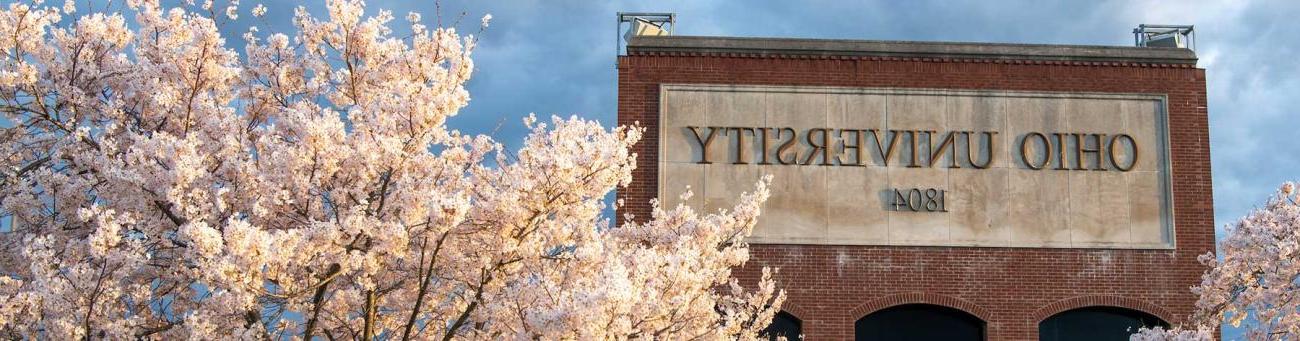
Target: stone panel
977, 206
915, 228
1146, 216
1098, 212
723, 184
799, 215
686, 177
854, 202
687, 109
976, 113
1038, 216
833, 185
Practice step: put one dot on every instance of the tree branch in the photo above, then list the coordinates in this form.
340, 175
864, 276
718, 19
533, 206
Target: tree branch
424, 287
318, 300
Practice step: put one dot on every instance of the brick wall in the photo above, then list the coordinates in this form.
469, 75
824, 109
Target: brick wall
1012, 289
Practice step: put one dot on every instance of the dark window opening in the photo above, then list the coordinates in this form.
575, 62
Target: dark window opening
919, 322
1096, 323
783, 325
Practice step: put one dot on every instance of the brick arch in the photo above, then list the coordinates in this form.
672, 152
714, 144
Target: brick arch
795, 309
1101, 301
919, 298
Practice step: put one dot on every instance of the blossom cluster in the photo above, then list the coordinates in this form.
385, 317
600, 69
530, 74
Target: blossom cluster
1255, 278
164, 186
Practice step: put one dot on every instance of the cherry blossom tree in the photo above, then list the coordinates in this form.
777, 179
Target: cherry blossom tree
163, 186
1257, 277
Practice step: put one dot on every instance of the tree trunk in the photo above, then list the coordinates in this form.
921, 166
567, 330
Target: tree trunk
369, 333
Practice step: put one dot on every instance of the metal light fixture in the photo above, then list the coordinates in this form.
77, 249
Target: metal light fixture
1176, 36
643, 24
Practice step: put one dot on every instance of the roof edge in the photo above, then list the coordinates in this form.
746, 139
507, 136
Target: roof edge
877, 48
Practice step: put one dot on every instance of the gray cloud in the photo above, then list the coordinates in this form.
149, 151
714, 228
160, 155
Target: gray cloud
557, 57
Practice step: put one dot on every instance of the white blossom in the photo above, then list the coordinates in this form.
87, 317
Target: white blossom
166, 186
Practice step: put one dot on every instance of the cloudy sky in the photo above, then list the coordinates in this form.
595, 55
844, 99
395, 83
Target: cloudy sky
557, 57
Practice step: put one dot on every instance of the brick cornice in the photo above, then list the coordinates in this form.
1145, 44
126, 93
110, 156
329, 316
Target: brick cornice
911, 59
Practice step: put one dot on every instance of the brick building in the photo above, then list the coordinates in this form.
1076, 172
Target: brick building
939, 190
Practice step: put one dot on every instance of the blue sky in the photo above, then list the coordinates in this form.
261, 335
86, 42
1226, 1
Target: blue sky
557, 57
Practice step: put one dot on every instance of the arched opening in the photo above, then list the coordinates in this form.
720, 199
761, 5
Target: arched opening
783, 325
919, 322
1096, 323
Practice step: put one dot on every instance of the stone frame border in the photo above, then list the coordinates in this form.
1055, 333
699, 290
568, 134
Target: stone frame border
1162, 101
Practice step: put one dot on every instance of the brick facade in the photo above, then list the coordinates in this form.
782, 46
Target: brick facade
1012, 289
